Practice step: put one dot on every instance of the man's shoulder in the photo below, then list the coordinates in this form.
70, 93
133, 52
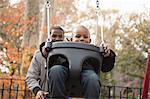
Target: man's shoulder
37, 53
38, 56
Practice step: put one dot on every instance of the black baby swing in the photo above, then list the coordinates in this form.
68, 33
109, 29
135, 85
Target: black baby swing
71, 51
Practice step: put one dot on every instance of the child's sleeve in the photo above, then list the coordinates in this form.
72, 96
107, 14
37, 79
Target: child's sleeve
108, 62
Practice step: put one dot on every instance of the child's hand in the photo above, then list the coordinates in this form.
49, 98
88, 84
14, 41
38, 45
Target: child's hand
104, 45
107, 51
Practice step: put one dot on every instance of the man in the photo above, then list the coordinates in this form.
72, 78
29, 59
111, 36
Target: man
36, 77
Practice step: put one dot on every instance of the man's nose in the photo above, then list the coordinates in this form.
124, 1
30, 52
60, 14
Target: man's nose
57, 38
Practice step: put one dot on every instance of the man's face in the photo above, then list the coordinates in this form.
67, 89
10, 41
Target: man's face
81, 35
57, 35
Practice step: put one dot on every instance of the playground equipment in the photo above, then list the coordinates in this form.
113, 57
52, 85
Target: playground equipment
71, 52
146, 79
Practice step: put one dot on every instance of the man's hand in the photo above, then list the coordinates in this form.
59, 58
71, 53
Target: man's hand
40, 94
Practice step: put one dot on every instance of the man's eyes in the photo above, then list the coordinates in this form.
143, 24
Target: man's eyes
60, 36
54, 35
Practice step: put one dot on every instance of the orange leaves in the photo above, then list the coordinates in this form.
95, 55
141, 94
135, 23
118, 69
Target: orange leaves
3, 19
9, 27
12, 26
55, 20
12, 54
14, 19
27, 57
44, 29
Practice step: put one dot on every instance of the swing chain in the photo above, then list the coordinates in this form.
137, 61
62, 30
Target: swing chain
97, 7
48, 4
97, 15
97, 4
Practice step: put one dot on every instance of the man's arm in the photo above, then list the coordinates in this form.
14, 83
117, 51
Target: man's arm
33, 74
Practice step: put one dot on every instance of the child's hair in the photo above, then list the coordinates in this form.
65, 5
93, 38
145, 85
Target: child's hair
81, 26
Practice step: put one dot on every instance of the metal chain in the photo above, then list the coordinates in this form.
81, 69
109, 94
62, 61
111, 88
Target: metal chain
97, 3
97, 6
97, 14
97, 17
48, 5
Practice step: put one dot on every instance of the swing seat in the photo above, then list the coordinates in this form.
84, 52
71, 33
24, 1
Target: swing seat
75, 54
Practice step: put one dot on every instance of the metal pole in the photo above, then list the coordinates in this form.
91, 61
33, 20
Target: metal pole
101, 26
97, 21
97, 16
48, 5
102, 33
146, 79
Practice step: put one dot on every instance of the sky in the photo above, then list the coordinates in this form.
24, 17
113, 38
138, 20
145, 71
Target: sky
124, 6
13, 1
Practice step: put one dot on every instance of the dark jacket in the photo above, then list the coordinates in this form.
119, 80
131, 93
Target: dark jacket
108, 62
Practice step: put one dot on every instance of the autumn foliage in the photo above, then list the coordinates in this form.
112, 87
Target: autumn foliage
13, 24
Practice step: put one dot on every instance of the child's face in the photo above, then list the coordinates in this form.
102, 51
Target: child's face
81, 35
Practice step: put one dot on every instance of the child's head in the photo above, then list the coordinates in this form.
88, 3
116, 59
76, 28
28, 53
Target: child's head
81, 34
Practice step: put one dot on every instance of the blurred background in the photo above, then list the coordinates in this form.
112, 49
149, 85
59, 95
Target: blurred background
125, 25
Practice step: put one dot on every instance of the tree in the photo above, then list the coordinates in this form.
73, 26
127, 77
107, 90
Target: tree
30, 36
3, 4
12, 27
133, 42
